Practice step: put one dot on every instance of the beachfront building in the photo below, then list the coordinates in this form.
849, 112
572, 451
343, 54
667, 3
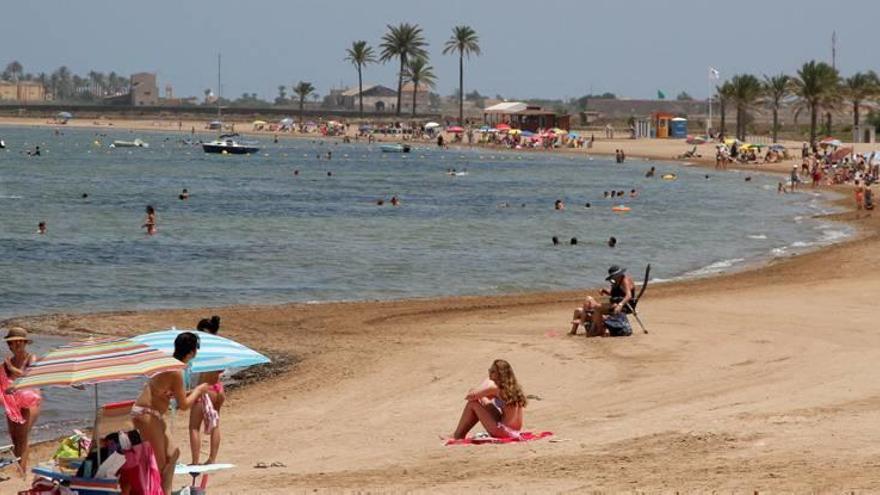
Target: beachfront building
519, 115
423, 98
144, 91
377, 98
22, 91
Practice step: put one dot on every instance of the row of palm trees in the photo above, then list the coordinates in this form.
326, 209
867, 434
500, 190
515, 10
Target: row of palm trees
406, 43
817, 87
63, 84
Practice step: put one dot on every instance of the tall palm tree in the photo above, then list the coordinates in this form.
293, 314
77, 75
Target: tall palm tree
403, 42
93, 80
776, 90
14, 69
360, 54
303, 90
419, 72
465, 41
746, 91
725, 96
858, 88
815, 83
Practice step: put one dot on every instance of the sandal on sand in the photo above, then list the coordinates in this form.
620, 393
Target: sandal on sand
277, 464
261, 465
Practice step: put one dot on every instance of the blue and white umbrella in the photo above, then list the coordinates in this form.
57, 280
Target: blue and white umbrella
215, 353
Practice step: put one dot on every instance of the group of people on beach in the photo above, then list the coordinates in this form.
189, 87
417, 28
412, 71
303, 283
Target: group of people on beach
203, 398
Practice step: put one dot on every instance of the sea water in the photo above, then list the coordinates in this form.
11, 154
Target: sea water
253, 231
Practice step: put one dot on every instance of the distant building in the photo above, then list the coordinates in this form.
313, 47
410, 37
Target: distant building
144, 91
377, 98
423, 98
169, 92
519, 115
22, 91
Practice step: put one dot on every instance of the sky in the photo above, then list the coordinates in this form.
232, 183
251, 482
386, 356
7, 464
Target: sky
537, 48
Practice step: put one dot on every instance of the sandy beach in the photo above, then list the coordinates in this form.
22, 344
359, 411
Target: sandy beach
757, 380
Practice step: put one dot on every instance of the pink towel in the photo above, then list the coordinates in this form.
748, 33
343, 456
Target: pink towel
140, 472
525, 436
211, 416
10, 401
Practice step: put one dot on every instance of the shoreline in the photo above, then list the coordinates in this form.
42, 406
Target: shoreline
336, 362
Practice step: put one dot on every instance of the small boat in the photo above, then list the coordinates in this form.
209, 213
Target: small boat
137, 143
227, 143
2, 144
395, 148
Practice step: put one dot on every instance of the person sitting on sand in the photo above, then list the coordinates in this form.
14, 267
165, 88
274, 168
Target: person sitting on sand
622, 291
148, 412
22, 406
207, 412
497, 403
150, 220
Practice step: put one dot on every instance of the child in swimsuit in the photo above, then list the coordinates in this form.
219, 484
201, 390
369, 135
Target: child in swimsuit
150, 221
22, 406
497, 403
207, 412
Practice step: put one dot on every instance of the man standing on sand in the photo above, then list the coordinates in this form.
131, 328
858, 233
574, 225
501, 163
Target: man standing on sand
623, 290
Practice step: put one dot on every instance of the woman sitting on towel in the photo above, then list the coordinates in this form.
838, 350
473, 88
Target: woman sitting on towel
207, 411
148, 412
497, 403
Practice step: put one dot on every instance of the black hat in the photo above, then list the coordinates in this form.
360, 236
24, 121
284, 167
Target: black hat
614, 271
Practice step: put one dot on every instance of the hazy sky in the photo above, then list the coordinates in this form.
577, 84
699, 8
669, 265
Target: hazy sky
538, 48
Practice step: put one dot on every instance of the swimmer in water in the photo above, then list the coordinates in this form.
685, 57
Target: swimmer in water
329, 155
748, 178
633, 193
651, 172
574, 241
605, 194
612, 241
395, 201
329, 174
380, 202
296, 172
150, 220
558, 205
85, 195
587, 205
184, 194
41, 228
555, 240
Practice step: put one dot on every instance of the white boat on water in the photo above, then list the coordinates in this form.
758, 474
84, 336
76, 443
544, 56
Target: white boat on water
229, 144
395, 148
137, 143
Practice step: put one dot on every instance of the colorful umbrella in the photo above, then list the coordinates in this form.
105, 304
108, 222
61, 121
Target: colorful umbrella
527, 133
502, 127
215, 352
286, 121
454, 129
557, 130
514, 132
91, 362
260, 122
431, 125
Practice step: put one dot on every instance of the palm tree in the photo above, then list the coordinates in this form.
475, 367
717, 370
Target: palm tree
776, 89
858, 88
360, 54
303, 90
815, 84
725, 96
93, 79
746, 91
465, 41
419, 71
14, 69
403, 41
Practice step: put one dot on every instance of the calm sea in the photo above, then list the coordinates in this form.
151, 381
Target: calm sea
254, 232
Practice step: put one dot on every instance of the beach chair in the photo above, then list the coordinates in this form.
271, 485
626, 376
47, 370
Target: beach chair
618, 325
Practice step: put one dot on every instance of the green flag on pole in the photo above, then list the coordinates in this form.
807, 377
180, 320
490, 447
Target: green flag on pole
661, 95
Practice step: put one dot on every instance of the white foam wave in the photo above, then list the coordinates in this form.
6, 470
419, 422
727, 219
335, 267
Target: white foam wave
716, 267
757, 236
10, 197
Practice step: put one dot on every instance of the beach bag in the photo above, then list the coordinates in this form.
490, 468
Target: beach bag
618, 325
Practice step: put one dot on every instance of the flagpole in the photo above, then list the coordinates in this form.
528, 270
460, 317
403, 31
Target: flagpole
709, 120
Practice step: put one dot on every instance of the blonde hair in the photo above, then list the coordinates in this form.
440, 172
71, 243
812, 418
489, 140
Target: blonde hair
508, 388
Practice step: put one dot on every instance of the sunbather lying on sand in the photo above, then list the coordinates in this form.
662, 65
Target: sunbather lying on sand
497, 403
148, 412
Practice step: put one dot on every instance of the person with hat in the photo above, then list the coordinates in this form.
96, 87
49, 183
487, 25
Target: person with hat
622, 291
22, 406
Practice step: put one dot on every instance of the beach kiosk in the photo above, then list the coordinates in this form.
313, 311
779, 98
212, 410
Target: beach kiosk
678, 128
662, 121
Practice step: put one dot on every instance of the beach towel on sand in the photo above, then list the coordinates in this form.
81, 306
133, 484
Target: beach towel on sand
525, 436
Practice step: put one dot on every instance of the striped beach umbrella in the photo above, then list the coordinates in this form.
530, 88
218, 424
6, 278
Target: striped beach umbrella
90, 362
215, 352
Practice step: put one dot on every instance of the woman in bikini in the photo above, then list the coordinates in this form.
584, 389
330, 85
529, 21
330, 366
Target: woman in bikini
22, 406
217, 397
497, 403
148, 412
150, 220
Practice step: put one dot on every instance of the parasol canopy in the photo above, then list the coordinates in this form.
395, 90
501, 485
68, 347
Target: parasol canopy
215, 352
